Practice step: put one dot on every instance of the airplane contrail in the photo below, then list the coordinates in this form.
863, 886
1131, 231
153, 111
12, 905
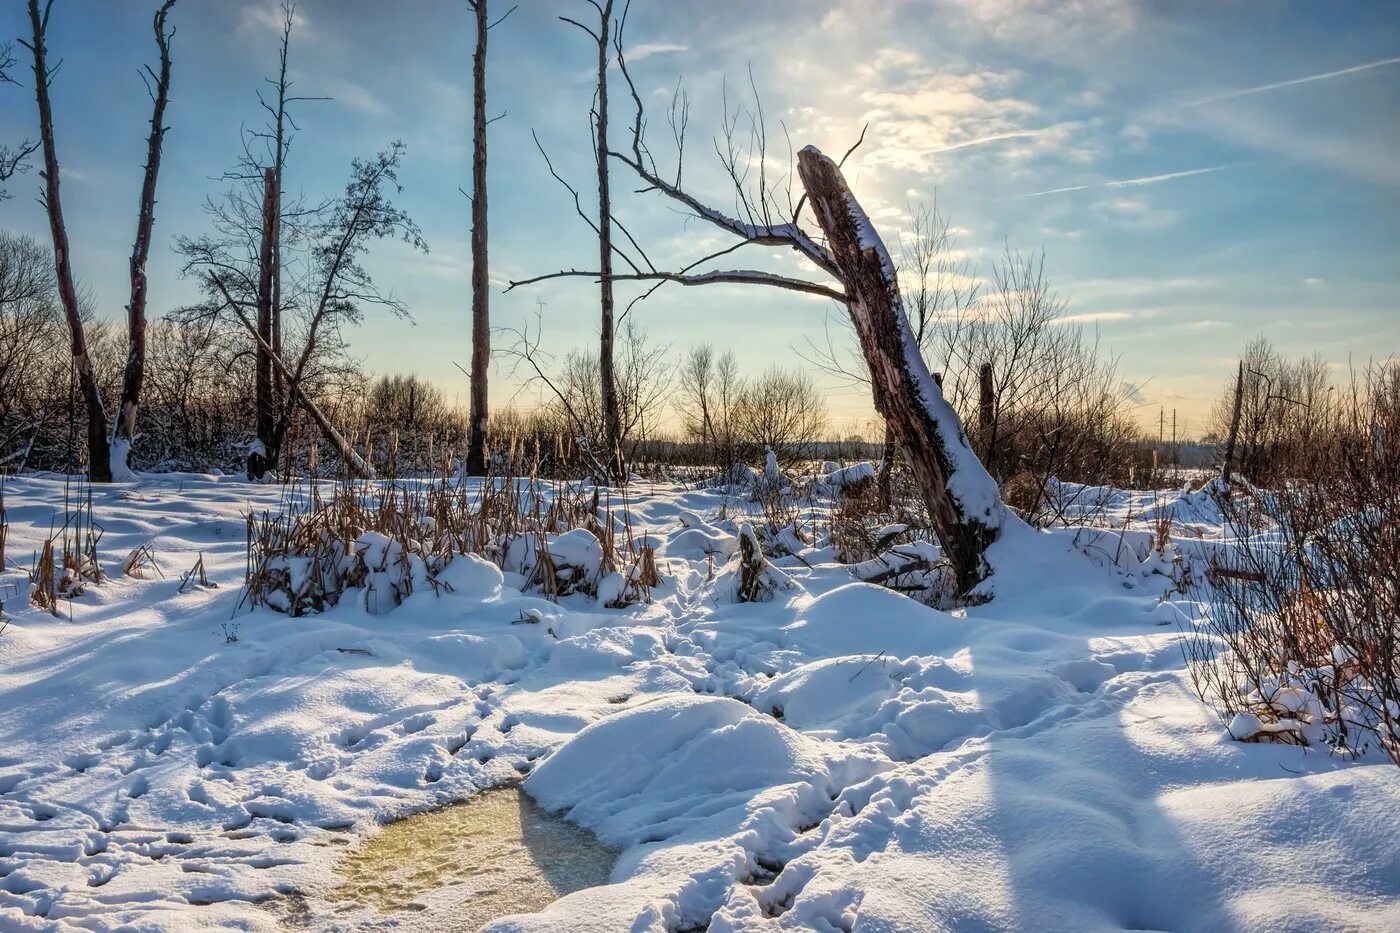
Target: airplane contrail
1259, 89
1134, 182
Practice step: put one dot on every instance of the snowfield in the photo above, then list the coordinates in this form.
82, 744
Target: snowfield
840, 758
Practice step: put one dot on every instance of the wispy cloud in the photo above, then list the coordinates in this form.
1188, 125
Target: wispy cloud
353, 96
1262, 88
1093, 317
267, 19
1134, 182
647, 49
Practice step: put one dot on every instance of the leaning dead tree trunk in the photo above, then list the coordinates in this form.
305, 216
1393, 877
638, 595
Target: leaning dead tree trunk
1234, 426
963, 502
264, 455
356, 464
99, 460
124, 432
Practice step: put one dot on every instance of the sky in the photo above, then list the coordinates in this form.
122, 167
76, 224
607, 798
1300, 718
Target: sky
1195, 172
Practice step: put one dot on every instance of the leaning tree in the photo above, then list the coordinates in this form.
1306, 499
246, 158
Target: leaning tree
963, 501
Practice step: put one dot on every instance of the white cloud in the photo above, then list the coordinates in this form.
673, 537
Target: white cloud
1094, 317
265, 18
350, 95
645, 50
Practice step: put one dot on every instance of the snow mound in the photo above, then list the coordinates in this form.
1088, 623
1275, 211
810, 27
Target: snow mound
644, 772
861, 618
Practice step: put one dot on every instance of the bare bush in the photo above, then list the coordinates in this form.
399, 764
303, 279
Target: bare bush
707, 399
782, 411
1279, 405
574, 403
1301, 641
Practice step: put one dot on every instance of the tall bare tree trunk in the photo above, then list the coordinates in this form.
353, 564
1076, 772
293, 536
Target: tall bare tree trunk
987, 415
481, 315
124, 432
963, 502
99, 459
263, 456
882, 484
1234, 426
612, 416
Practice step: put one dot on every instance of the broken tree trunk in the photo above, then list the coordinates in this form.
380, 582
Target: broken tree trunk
99, 458
1234, 426
124, 432
963, 501
263, 456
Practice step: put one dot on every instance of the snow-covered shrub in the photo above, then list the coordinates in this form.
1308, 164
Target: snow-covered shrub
751, 576
1301, 638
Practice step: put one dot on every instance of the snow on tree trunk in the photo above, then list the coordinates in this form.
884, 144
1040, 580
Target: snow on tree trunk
963, 501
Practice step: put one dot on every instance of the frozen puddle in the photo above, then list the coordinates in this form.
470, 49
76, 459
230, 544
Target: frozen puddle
496, 854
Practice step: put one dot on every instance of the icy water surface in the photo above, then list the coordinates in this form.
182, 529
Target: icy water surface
496, 854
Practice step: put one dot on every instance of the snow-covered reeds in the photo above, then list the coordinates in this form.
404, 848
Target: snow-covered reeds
77, 564
389, 540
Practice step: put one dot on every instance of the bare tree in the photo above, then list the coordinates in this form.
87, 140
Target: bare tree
13, 159
481, 279
963, 502
333, 289
33, 379
939, 288
264, 172
707, 401
99, 461
1277, 398
641, 381
158, 84
611, 410
781, 410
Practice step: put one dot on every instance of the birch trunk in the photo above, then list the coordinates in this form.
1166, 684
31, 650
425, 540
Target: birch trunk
124, 432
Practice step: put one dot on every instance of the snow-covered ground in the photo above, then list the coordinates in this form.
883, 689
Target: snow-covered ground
841, 758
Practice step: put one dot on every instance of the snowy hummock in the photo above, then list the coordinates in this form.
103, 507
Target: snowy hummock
839, 757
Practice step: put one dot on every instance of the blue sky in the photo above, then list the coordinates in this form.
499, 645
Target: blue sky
1196, 172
